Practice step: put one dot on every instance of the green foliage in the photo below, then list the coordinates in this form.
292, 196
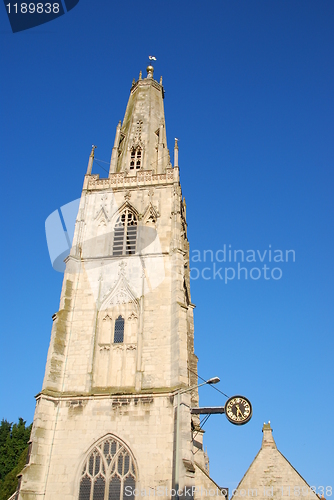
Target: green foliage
5, 428
13, 454
9, 484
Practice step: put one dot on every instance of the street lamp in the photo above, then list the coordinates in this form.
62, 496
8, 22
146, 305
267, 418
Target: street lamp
211, 381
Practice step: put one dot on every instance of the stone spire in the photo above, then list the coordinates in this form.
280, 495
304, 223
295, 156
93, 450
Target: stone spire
140, 142
122, 342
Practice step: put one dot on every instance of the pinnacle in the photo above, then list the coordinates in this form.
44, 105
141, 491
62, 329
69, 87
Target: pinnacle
268, 440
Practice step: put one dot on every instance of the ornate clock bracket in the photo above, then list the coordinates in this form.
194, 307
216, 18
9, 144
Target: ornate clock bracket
238, 410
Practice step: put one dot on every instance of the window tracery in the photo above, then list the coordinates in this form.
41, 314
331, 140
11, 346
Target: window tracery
108, 472
136, 158
125, 235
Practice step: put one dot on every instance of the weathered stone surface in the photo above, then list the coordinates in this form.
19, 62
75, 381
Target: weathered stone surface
96, 386
272, 476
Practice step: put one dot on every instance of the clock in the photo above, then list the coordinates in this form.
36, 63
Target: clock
238, 410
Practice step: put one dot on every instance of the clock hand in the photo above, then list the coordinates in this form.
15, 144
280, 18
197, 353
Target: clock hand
238, 410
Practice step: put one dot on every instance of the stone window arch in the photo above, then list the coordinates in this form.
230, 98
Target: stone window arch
119, 330
135, 158
109, 472
125, 235
105, 329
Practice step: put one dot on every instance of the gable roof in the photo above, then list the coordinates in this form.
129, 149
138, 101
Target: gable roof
271, 475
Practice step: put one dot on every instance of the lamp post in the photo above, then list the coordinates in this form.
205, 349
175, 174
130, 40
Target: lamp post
213, 380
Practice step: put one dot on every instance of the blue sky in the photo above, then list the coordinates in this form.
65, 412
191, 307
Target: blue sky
249, 94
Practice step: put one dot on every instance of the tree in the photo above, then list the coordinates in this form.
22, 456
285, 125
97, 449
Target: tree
9, 484
13, 447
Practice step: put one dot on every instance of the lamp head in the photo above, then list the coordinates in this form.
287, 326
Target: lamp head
213, 380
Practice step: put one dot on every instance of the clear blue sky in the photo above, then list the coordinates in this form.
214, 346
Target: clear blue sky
249, 93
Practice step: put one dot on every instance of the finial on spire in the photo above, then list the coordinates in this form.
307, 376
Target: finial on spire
90, 161
149, 70
140, 74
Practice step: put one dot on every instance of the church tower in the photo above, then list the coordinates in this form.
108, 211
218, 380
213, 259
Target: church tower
122, 342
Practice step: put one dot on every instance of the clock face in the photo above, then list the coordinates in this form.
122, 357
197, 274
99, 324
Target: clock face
238, 410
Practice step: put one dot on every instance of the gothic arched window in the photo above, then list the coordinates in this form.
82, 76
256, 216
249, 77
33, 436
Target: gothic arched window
109, 472
135, 160
119, 330
125, 234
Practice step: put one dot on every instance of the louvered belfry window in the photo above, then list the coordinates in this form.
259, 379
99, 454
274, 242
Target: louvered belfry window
125, 234
109, 473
